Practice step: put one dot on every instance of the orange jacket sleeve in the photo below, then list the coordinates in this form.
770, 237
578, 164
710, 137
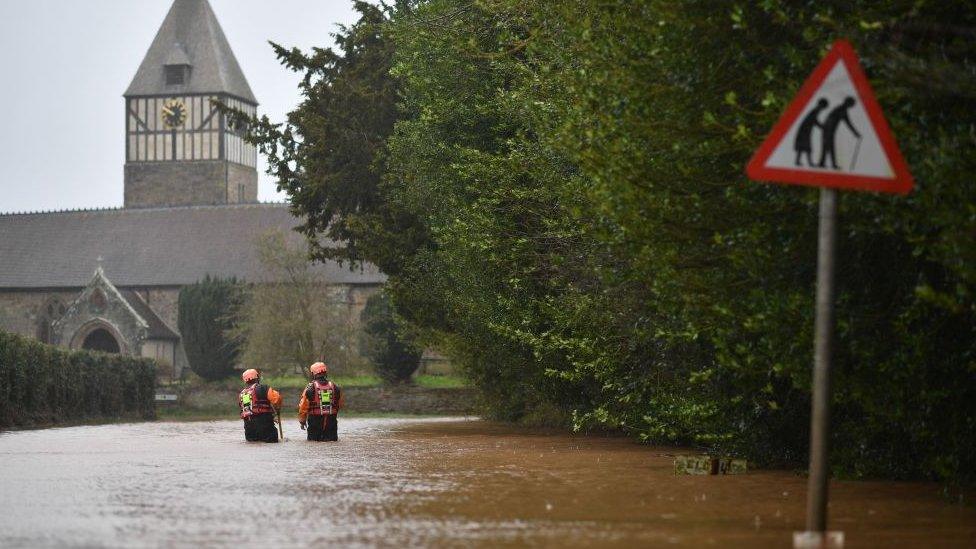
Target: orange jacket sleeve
302, 407
275, 398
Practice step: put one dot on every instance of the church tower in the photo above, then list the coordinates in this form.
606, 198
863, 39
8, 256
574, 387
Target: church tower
179, 149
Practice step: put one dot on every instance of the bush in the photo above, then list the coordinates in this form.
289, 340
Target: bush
394, 359
206, 312
42, 384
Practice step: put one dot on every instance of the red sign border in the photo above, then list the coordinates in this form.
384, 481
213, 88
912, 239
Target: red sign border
902, 182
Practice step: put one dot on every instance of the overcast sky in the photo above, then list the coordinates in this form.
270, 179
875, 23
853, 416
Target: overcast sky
66, 63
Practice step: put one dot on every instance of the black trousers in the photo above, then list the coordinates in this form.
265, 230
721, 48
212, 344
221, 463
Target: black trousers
323, 428
261, 428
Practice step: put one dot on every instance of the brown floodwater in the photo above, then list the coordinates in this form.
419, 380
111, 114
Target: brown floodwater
419, 482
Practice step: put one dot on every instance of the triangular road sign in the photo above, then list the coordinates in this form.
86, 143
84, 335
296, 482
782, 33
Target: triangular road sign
833, 134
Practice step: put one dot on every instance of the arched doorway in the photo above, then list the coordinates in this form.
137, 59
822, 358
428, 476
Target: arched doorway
98, 335
101, 340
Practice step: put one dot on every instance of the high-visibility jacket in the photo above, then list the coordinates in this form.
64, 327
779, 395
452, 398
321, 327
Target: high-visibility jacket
258, 399
320, 398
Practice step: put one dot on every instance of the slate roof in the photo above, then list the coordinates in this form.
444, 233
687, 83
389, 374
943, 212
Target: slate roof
192, 34
148, 246
157, 328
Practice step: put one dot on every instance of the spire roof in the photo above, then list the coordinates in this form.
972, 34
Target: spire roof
191, 35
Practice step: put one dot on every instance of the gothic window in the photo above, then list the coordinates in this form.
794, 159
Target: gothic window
53, 310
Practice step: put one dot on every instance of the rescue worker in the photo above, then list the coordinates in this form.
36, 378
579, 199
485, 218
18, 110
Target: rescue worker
318, 409
259, 404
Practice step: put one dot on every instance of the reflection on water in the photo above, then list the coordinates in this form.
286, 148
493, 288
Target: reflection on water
418, 483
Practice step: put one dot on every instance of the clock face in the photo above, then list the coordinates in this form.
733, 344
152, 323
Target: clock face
173, 113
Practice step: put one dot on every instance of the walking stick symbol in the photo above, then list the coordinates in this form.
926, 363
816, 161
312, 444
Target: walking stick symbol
857, 149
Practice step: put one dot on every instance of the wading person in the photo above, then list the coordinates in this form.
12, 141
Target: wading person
318, 409
259, 404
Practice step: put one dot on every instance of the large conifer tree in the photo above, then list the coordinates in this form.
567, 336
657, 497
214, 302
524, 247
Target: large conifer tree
206, 311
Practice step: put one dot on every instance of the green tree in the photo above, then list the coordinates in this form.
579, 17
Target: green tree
680, 306
206, 310
329, 153
394, 358
560, 203
296, 317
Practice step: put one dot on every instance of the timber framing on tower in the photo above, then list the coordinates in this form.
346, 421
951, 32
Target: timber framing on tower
180, 150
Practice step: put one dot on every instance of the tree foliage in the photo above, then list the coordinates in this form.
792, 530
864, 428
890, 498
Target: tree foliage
296, 317
328, 155
560, 203
394, 358
206, 311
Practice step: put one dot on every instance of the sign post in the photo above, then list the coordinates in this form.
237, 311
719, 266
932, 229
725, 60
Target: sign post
823, 351
833, 136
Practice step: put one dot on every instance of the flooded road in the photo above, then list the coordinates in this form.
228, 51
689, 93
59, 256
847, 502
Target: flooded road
443, 483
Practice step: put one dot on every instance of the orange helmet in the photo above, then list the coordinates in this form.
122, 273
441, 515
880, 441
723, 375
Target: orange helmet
319, 368
250, 375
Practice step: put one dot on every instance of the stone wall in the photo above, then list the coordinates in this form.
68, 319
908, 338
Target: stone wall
411, 400
241, 178
165, 302
201, 182
22, 311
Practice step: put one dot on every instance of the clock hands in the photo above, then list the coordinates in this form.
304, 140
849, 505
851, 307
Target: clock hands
174, 113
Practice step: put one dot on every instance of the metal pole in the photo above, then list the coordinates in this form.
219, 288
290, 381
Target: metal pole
823, 346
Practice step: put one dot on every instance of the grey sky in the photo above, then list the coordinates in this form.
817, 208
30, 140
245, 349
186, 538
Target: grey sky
64, 65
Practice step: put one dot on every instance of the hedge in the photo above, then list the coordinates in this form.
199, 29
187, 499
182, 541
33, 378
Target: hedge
43, 385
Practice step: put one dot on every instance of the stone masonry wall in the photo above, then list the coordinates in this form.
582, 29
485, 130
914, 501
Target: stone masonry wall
165, 302
241, 177
154, 184
21, 311
412, 400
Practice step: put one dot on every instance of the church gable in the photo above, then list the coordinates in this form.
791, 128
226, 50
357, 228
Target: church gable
101, 319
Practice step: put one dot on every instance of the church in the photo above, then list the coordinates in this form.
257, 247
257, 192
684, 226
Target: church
109, 279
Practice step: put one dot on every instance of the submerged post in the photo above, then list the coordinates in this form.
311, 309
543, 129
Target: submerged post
823, 348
